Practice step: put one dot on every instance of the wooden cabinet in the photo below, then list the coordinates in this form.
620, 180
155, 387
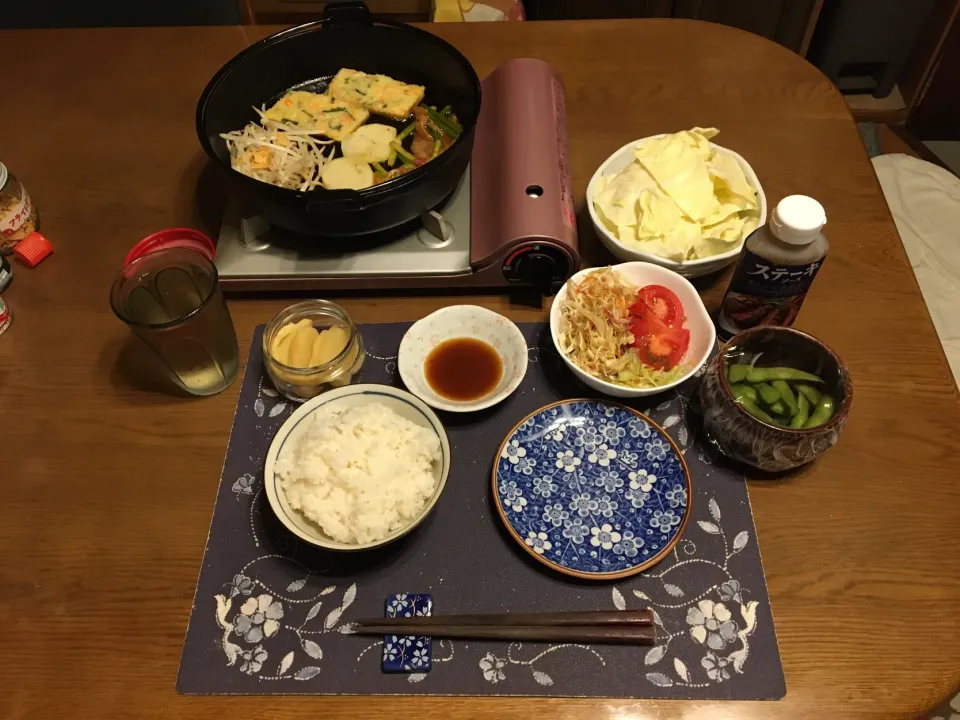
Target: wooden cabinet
788, 22
596, 9
936, 113
785, 21
288, 11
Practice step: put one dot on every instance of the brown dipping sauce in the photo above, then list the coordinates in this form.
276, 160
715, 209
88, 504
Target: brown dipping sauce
463, 369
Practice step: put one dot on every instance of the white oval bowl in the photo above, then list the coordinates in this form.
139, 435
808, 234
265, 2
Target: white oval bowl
703, 335
688, 268
402, 403
458, 321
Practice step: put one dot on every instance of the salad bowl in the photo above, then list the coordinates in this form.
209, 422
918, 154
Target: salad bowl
703, 335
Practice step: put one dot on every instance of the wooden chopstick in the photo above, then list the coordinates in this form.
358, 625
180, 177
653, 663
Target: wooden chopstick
599, 618
623, 627
601, 634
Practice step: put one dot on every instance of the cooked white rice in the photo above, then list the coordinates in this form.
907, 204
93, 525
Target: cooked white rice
359, 472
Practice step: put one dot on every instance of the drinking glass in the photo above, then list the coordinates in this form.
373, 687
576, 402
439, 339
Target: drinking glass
171, 299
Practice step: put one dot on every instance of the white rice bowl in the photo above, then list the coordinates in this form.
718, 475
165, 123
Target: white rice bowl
359, 472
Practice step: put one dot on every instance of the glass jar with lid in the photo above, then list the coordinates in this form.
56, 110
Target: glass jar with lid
312, 347
18, 214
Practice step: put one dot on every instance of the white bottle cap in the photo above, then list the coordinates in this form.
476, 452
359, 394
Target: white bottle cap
3, 175
798, 219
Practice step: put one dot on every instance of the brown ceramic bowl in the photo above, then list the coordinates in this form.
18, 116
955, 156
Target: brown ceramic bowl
743, 437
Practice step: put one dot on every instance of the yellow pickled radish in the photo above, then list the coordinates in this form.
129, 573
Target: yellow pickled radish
348, 368
328, 345
301, 346
280, 349
282, 341
351, 357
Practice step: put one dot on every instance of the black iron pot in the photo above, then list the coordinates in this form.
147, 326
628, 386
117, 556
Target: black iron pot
348, 36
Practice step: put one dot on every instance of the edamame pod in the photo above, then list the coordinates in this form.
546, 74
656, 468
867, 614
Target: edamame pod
769, 374
754, 410
803, 412
786, 395
813, 395
822, 413
737, 373
778, 408
747, 391
767, 393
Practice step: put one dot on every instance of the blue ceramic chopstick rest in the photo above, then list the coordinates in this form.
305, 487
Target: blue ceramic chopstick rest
407, 653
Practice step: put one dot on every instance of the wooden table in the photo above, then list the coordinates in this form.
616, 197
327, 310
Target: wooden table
109, 485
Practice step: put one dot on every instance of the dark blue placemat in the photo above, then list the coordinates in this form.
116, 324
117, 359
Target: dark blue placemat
269, 608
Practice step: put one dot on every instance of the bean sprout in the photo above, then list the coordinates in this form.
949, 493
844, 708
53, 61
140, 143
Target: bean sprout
279, 154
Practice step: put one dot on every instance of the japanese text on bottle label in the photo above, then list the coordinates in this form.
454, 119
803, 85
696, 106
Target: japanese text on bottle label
764, 293
13, 220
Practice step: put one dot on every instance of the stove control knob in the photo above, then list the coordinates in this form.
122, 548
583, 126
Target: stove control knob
537, 269
542, 268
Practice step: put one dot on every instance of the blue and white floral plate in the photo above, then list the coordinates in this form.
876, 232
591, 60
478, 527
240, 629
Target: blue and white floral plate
592, 488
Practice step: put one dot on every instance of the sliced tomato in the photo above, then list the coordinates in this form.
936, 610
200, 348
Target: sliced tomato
643, 319
662, 349
664, 303
657, 326
640, 327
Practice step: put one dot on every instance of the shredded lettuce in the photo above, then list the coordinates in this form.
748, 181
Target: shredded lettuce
639, 374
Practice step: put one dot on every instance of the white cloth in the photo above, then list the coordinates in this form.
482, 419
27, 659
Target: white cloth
925, 202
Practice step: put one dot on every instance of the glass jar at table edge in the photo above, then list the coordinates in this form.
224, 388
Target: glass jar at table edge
6, 317
18, 215
299, 384
6, 273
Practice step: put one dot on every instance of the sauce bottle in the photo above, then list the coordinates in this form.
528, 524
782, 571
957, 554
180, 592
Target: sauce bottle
775, 269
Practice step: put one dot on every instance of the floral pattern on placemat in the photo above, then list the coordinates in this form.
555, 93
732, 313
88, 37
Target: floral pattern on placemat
251, 614
712, 624
280, 614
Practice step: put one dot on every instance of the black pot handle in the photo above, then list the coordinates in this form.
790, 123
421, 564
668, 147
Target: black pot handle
348, 12
336, 201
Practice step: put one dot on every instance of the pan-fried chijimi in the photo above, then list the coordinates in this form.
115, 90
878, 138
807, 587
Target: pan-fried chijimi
377, 93
322, 114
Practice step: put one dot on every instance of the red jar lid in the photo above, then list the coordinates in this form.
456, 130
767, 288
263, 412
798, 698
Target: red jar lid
171, 238
32, 249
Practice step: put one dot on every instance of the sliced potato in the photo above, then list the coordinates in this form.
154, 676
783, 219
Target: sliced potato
347, 173
370, 143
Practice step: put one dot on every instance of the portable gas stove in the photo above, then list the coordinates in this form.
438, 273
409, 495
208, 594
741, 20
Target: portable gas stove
510, 221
